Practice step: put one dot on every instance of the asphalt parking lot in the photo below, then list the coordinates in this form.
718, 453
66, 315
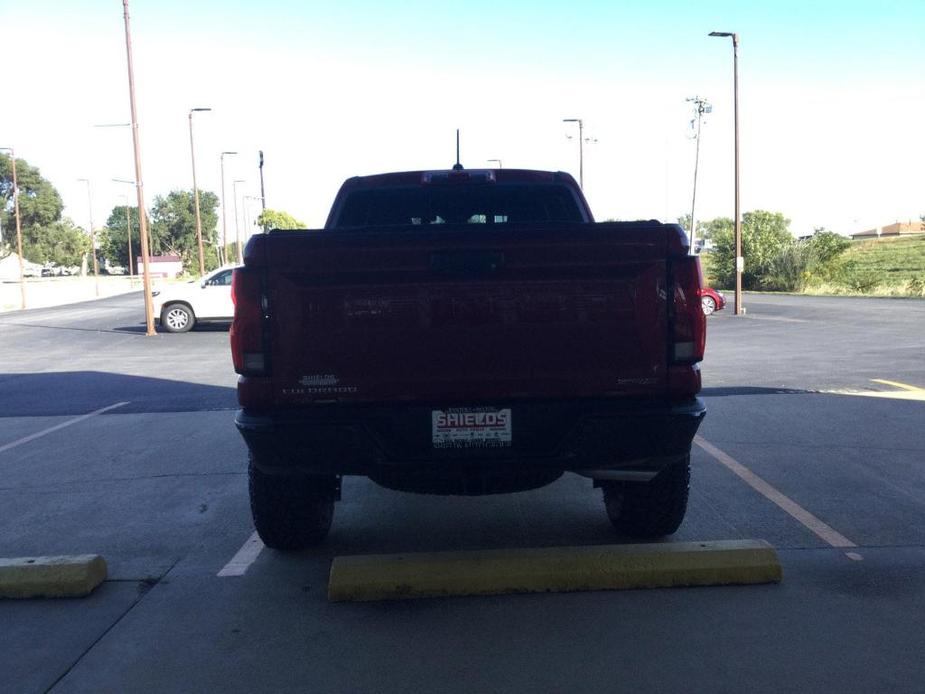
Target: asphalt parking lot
814, 441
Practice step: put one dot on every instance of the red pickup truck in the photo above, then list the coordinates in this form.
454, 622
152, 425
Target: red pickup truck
467, 332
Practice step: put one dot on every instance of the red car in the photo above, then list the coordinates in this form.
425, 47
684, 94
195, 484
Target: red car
711, 300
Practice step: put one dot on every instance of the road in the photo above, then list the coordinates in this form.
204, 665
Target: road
810, 396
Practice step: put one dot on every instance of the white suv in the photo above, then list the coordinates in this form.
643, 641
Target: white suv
181, 306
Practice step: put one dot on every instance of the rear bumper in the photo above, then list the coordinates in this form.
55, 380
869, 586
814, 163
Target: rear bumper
578, 435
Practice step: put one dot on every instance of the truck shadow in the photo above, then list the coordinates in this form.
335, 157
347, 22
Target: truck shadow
79, 392
141, 328
725, 391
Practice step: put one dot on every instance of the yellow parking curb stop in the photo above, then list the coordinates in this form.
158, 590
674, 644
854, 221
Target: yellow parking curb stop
51, 577
553, 569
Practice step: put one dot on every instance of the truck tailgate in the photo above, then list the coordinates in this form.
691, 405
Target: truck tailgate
459, 315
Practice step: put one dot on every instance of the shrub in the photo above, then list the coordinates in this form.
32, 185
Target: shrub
789, 270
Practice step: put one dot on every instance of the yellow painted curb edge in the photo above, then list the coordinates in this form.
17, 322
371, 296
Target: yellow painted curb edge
553, 569
51, 577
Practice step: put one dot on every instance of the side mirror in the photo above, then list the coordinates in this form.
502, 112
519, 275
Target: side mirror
202, 283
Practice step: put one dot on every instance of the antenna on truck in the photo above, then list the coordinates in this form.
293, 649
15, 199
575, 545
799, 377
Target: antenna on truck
457, 166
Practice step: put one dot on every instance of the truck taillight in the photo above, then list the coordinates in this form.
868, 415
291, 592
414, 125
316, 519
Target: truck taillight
248, 344
687, 322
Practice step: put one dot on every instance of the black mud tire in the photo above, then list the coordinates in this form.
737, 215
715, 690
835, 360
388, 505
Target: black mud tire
653, 509
291, 512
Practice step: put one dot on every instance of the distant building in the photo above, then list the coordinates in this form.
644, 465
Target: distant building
895, 229
166, 266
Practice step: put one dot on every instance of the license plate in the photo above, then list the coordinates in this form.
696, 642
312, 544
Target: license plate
465, 427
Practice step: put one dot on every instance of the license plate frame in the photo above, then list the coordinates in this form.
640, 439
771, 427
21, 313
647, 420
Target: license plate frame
471, 427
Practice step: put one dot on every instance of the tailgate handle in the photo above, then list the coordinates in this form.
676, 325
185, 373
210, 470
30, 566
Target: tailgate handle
469, 263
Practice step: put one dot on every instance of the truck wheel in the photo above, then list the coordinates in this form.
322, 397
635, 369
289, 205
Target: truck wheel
650, 509
177, 318
291, 511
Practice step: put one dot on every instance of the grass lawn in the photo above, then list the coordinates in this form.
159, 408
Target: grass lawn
891, 260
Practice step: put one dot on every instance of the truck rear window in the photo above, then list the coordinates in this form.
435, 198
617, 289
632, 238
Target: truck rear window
459, 204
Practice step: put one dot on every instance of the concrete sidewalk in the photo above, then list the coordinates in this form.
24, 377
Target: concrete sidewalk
56, 291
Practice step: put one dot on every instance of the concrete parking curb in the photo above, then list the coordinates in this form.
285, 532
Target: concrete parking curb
554, 569
51, 577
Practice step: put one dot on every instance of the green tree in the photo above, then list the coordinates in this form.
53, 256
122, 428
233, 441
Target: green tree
61, 242
114, 238
826, 245
764, 236
277, 219
173, 228
40, 205
703, 226
710, 228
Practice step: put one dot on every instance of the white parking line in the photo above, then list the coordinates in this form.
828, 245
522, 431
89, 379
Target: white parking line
901, 386
807, 519
779, 319
65, 314
905, 392
246, 556
56, 427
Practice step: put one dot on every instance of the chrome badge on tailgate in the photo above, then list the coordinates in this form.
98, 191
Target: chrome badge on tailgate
471, 427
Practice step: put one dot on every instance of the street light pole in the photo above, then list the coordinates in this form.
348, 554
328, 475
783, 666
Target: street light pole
224, 215
740, 261
581, 151
128, 232
22, 273
139, 188
128, 226
263, 197
248, 227
239, 251
701, 106
192, 151
96, 269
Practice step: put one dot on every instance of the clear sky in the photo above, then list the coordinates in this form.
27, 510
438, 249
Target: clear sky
832, 99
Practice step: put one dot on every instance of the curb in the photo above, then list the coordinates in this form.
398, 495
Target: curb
554, 569
51, 577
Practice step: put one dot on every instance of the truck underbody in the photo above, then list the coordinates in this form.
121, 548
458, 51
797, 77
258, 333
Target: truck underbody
392, 444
